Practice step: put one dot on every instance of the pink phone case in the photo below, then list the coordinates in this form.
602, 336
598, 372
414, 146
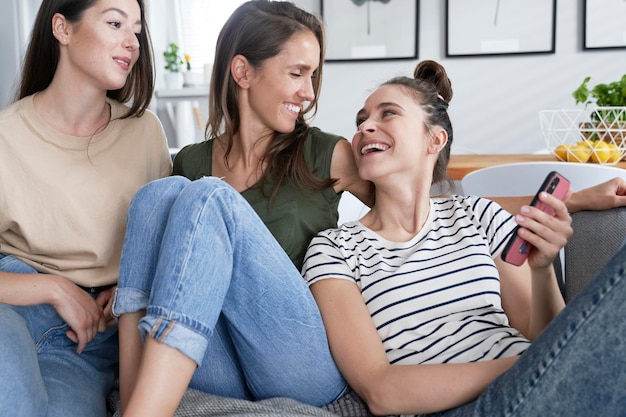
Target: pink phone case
517, 249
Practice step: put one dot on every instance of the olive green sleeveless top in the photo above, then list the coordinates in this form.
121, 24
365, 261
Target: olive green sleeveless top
295, 215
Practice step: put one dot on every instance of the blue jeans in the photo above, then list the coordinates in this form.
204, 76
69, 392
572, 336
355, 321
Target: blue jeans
577, 365
40, 372
218, 287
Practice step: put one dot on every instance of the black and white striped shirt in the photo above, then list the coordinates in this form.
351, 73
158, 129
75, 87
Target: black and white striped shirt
435, 298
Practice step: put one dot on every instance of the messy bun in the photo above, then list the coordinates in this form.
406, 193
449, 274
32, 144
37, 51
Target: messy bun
435, 73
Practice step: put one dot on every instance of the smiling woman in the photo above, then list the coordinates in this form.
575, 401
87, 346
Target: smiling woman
246, 326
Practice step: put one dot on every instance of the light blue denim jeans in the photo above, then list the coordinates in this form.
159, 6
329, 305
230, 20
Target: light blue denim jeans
577, 365
217, 286
40, 372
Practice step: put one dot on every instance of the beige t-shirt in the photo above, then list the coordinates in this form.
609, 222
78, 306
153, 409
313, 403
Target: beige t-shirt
63, 199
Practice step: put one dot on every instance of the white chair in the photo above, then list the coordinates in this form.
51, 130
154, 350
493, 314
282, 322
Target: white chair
523, 179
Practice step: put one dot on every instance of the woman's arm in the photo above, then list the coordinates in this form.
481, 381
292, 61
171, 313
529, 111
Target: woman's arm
516, 294
392, 389
344, 169
531, 296
84, 316
606, 195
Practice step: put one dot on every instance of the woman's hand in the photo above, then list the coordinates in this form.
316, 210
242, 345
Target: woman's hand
604, 196
343, 168
81, 312
546, 233
105, 301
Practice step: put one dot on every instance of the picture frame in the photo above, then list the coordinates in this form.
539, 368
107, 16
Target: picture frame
500, 27
370, 30
604, 24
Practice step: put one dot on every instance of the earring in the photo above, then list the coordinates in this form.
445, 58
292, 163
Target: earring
62, 38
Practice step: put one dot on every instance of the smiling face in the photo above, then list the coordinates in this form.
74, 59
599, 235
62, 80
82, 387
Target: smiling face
391, 136
102, 48
281, 87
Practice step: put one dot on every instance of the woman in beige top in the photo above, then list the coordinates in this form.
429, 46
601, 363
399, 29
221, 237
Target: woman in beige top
72, 156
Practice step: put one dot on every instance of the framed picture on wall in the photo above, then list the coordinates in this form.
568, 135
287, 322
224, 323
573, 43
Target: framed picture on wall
500, 27
604, 23
365, 30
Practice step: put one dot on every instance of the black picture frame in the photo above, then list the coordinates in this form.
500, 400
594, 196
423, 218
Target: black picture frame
500, 27
370, 30
604, 24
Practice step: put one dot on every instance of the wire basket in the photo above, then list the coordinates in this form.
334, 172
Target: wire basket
583, 135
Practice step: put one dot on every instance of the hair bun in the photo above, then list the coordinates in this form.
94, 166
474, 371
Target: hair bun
434, 73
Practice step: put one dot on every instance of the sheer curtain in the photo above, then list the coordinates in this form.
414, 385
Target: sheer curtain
16, 23
27, 11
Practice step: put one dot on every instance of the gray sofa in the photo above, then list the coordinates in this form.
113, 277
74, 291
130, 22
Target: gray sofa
598, 235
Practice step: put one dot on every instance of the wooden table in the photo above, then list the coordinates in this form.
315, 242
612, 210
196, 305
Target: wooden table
461, 165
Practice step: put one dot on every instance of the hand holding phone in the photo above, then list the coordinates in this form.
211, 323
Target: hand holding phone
517, 249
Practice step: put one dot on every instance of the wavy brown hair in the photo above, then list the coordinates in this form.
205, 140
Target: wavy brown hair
258, 30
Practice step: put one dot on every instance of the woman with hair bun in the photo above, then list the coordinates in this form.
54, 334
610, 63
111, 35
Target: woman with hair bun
421, 313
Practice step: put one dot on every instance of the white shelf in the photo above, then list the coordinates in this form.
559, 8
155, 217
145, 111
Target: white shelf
185, 92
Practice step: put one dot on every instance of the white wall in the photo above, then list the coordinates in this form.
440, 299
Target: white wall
496, 99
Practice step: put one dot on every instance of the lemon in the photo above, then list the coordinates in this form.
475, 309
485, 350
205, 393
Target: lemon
561, 152
579, 153
616, 153
601, 152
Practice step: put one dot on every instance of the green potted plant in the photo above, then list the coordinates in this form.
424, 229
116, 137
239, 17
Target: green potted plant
173, 65
608, 116
603, 95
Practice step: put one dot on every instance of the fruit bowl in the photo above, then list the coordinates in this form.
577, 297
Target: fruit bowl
597, 135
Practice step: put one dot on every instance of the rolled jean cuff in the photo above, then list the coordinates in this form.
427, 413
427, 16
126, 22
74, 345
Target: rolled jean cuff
175, 334
128, 300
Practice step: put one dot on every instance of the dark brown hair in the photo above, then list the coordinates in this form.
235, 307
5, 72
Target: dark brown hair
42, 56
258, 30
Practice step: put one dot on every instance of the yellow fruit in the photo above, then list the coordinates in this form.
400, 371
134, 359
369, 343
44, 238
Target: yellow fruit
561, 152
579, 153
616, 153
601, 152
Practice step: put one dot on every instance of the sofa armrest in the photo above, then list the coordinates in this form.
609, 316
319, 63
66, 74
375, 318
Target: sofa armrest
598, 235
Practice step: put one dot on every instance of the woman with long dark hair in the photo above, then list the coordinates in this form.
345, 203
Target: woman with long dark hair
73, 155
